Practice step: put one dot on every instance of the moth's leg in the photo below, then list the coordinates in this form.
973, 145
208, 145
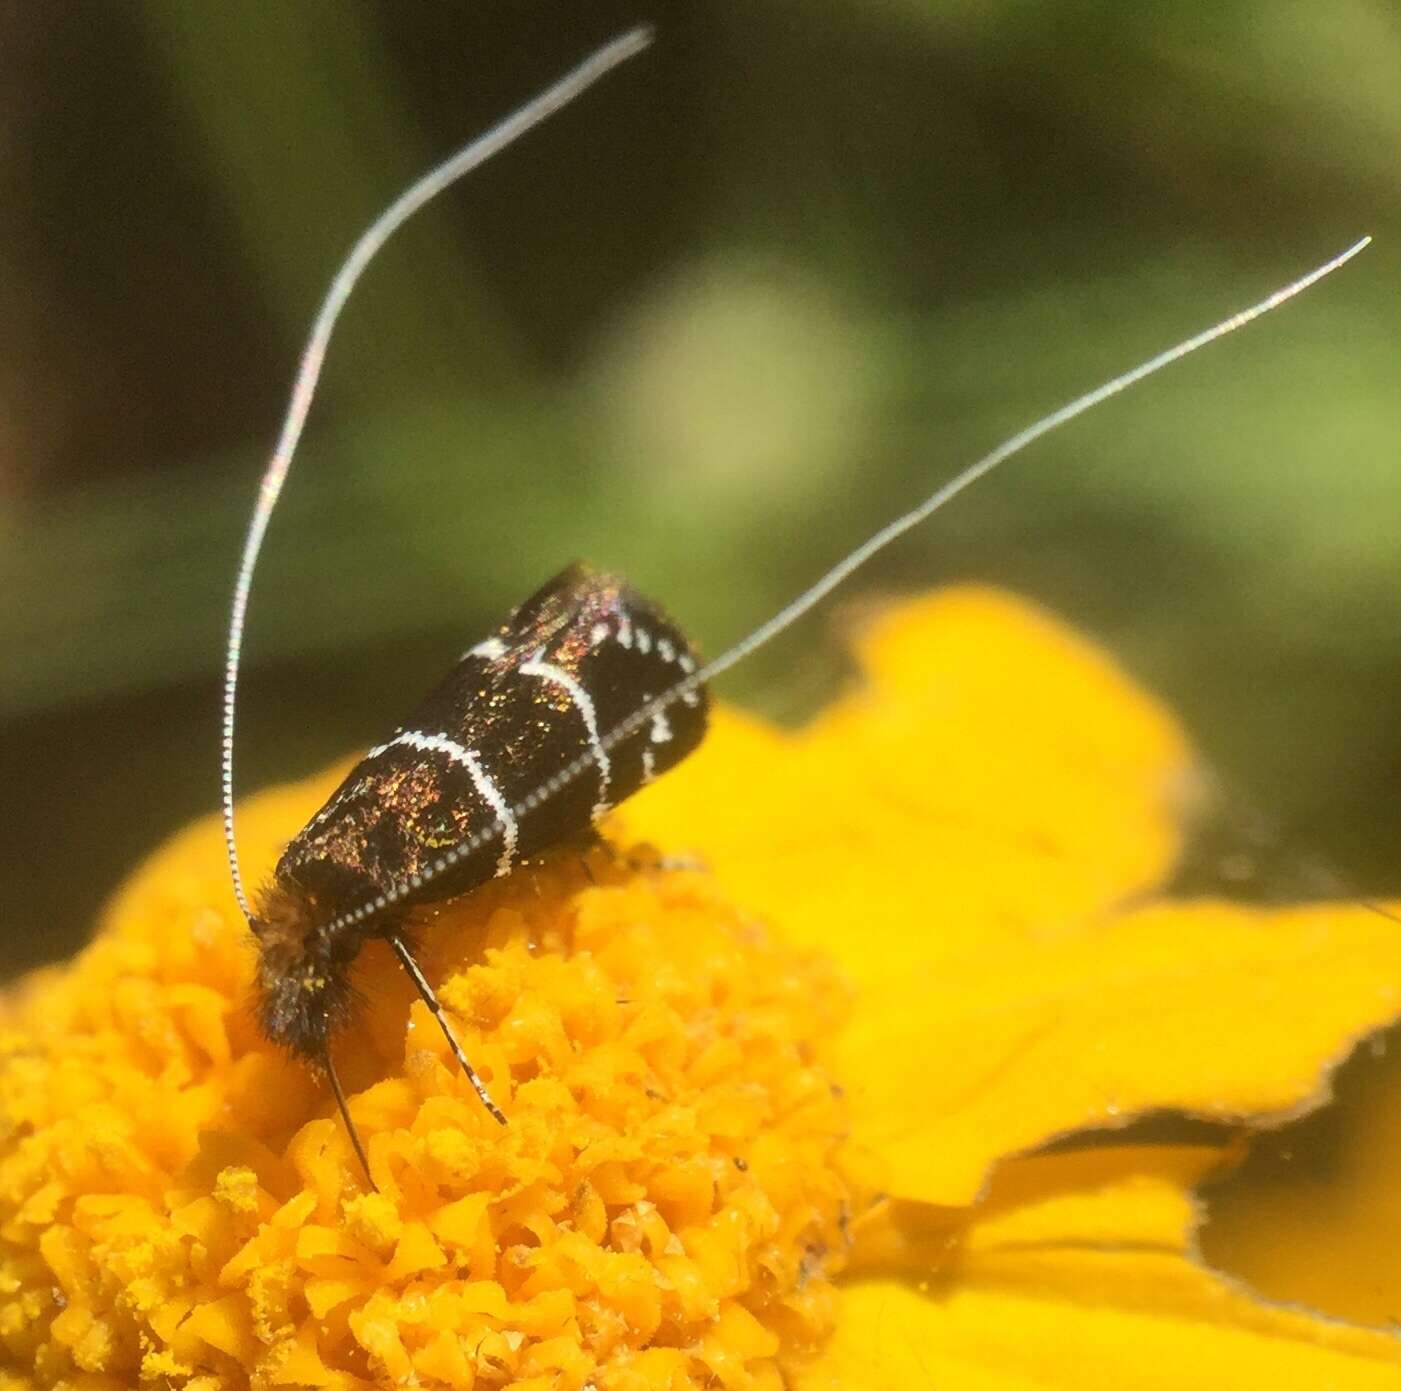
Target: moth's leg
645, 860
585, 845
429, 998
339, 1093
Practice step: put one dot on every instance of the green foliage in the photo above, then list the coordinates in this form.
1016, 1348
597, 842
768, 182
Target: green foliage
733, 312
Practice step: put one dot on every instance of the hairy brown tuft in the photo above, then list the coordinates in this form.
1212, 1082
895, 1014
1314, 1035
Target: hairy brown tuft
304, 992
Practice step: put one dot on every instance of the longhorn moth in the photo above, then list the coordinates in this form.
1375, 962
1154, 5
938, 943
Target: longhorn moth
584, 694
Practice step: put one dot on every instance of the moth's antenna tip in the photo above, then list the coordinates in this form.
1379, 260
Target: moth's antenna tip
1361, 244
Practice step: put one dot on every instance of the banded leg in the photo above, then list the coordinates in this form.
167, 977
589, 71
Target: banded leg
425, 991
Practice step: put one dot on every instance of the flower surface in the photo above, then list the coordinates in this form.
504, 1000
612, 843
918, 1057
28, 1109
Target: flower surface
1314, 1217
834, 1110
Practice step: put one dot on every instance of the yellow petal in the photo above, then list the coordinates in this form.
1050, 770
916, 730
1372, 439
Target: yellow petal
1101, 1195
993, 774
1078, 1274
1214, 1010
892, 1336
1317, 1219
962, 834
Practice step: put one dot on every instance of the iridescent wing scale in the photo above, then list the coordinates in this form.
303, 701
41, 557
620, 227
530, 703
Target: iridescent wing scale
568, 665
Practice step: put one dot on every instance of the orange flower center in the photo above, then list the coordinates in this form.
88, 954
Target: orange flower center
666, 1207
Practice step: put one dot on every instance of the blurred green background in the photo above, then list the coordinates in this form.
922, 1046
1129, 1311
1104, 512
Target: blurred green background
711, 326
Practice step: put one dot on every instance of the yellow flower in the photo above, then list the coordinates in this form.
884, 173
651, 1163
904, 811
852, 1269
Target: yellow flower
784, 1121
1315, 1217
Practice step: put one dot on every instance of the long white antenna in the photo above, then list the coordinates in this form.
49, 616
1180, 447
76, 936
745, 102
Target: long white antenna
571, 85
824, 585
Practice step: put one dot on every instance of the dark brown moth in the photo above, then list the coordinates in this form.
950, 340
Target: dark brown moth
581, 697
570, 664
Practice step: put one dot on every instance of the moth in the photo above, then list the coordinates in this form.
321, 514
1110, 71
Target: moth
582, 696
569, 664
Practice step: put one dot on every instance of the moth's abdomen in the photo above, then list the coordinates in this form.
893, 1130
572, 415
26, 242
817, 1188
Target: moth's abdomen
568, 666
